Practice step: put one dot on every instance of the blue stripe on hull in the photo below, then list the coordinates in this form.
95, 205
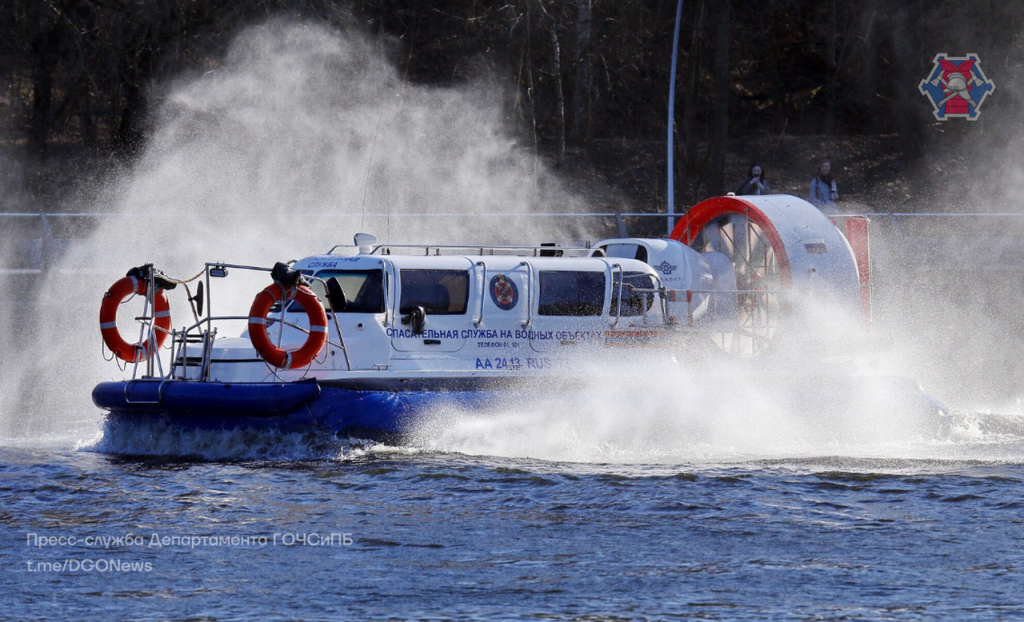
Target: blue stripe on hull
288, 407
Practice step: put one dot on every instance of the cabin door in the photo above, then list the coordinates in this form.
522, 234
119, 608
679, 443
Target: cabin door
434, 309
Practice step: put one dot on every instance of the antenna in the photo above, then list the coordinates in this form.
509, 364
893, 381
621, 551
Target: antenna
672, 122
369, 168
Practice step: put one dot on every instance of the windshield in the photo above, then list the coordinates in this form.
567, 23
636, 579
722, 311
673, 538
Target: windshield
364, 290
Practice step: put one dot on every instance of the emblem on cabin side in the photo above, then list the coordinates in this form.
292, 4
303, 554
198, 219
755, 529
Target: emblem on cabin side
665, 267
504, 292
956, 87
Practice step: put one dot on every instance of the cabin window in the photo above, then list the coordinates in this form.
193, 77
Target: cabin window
439, 292
633, 302
571, 293
626, 251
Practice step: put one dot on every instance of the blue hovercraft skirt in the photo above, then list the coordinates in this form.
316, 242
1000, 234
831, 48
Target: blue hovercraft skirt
286, 407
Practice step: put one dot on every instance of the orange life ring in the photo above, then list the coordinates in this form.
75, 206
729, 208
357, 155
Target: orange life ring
288, 359
133, 352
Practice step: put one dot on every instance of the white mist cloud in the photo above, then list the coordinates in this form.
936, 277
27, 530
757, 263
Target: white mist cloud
710, 410
287, 148
303, 133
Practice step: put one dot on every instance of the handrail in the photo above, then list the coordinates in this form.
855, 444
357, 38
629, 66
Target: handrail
618, 299
387, 268
159, 392
483, 286
481, 249
204, 366
221, 264
147, 322
531, 282
792, 290
609, 273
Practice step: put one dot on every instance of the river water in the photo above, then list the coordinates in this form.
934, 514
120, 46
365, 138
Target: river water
694, 502
311, 528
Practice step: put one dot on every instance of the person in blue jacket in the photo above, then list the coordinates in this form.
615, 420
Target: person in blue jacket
823, 193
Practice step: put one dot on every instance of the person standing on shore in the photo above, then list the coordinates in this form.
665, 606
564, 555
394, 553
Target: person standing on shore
823, 193
755, 182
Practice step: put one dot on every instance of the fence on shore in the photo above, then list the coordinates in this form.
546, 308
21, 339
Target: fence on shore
33, 243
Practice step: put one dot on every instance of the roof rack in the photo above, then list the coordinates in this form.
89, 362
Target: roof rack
543, 250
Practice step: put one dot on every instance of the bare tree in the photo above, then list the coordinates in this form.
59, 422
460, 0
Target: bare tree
556, 70
830, 75
690, 96
44, 40
581, 84
720, 136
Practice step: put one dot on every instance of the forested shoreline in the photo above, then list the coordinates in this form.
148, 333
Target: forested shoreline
85, 75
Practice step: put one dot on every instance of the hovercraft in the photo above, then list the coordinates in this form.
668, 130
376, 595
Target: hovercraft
367, 339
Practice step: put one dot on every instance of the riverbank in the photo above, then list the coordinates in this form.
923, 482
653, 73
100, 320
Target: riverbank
873, 173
